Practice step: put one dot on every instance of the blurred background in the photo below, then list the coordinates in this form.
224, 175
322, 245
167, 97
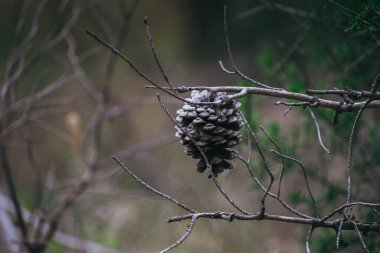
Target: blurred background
68, 105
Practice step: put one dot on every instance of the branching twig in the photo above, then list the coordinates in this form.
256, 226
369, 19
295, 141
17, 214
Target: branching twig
274, 196
184, 236
374, 88
340, 208
262, 156
235, 70
130, 63
305, 177
282, 159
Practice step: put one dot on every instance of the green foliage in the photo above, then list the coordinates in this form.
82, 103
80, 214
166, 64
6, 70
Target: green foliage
53, 247
273, 129
294, 77
103, 234
330, 194
324, 242
373, 132
296, 198
266, 61
319, 52
366, 16
341, 51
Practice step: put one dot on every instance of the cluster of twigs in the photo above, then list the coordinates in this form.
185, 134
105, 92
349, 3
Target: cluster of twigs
350, 101
39, 227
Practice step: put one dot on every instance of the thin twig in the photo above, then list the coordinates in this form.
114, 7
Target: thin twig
262, 156
39, 95
308, 238
358, 232
288, 54
184, 236
361, 57
340, 208
232, 62
350, 147
318, 131
291, 104
287, 111
157, 60
355, 94
299, 13
374, 88
12, 191
282, 159
116, 52
78, 70
251, 12
142, 182
375, 211
305, 177
274, 196
121, 37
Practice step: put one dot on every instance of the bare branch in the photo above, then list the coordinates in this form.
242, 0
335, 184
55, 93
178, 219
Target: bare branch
317, 223
306, 99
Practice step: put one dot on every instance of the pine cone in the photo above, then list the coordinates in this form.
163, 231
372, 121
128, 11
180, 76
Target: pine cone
214, 129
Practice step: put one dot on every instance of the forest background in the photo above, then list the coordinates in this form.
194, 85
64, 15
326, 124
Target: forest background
68, 105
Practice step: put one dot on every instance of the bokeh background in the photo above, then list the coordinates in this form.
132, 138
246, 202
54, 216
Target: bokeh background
51, 142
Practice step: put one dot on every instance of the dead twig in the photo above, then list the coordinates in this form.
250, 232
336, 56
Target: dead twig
305, 100
282, 160
235, 70
305, 177
184, 236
